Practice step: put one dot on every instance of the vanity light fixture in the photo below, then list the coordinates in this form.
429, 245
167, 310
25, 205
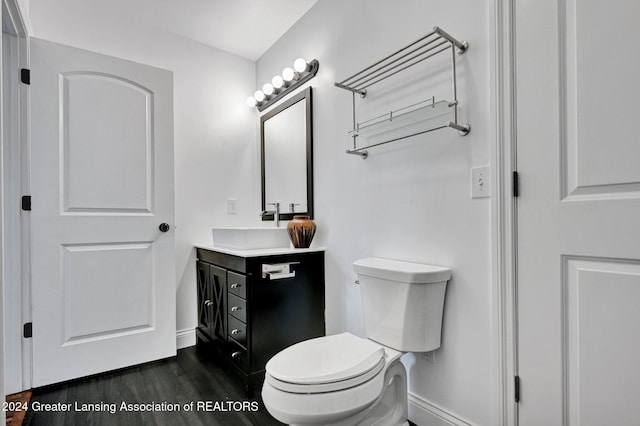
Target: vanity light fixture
300, 65
259, 96
268, 89
288, 75
290, 79
277, 82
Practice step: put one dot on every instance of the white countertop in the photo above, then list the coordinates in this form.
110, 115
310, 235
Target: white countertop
258, 252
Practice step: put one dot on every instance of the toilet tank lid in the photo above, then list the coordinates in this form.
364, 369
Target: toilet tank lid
397, 270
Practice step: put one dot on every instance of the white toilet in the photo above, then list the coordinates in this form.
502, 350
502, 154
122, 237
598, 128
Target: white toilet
345, 380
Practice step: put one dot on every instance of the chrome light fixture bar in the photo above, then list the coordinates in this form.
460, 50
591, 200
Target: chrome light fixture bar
280, 86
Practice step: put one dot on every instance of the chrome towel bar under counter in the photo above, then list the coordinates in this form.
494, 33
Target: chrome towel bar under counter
278, 271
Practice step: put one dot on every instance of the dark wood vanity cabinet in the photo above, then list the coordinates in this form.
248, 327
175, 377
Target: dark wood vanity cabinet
246, 316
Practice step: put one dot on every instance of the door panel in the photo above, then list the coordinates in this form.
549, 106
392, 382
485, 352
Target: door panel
600, 86
218, 283
204, 299
116, 280
601, 344
578, 231
114, 115
102, 158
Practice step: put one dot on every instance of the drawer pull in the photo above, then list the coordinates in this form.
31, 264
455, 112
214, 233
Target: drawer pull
235, 331
235, 308
235, 285
236, 354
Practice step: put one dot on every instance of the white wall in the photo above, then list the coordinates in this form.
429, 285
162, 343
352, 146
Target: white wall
410, 200
215, 135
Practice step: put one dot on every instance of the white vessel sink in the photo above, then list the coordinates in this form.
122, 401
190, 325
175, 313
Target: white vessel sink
246, 238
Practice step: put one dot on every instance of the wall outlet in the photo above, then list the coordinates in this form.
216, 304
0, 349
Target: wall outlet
232, 206
480, 182
429, 356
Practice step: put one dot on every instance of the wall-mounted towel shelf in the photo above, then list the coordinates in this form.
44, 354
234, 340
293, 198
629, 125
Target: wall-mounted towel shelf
437, 41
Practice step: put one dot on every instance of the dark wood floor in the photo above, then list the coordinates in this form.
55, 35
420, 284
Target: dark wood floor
191, 376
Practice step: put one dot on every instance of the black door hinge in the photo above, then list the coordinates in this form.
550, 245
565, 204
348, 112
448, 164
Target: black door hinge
25, 76
26, 203
516, 389
516, 184
27, 330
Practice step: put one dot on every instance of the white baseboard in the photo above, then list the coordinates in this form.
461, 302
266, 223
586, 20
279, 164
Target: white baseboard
426, 413
185, 338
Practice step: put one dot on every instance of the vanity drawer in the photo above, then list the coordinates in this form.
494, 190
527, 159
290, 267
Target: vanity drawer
237, 331
238, 355
237, 284
237, 307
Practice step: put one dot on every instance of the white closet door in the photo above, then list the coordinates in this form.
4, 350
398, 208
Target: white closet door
579, 212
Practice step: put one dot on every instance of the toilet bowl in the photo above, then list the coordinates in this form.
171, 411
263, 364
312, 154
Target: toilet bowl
346, 380
341, 381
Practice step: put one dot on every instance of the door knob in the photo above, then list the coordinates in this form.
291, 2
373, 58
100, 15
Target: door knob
164, 227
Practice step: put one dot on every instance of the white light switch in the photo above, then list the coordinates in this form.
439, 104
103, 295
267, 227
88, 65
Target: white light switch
232, 206
480, 182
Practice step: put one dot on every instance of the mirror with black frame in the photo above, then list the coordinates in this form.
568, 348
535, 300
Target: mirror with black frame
286, 141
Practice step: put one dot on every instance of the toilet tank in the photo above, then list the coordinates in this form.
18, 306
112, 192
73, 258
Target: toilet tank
402, 302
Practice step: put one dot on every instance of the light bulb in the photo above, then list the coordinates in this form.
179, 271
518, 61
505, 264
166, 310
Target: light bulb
251, 101
300, 65
268, 89
277, 82
288, 74
259, 95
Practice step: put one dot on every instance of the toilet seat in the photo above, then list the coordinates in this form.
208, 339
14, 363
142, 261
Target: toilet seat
326, 364
326, 387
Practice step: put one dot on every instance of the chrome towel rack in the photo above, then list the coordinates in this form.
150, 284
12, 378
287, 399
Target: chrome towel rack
432, 44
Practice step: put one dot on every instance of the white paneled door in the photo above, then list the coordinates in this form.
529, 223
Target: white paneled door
578, 150
103, 280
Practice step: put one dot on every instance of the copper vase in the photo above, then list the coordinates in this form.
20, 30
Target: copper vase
301, 231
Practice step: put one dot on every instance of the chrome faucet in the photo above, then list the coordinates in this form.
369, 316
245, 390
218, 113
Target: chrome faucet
275, 213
